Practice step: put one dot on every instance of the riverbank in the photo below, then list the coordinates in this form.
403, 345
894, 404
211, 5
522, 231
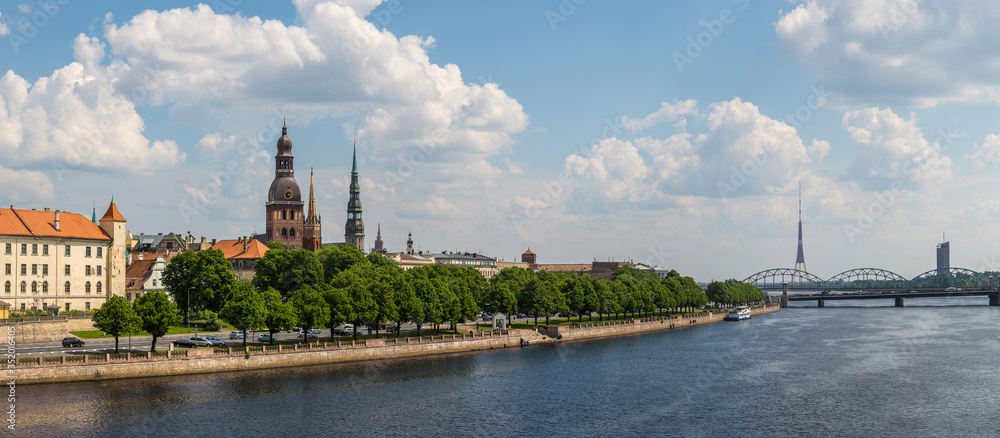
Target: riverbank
211, 360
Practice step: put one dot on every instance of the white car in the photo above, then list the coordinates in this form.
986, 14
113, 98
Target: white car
265, 337
201, 342
235, 335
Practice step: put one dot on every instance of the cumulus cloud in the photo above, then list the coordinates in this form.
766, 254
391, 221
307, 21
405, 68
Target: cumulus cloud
897, 52
4, 28
25, 185
740, 152
987, 153
335, 63
668, 112
75, 118
892, 150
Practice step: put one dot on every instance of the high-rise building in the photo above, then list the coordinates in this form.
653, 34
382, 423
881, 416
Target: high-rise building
943, 258
354, 231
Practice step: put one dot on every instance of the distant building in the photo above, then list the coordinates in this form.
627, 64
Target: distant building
486, 265
603, 270
144, 274
409, 261
285, 221
379, 244
242, 254
501, 265
61, 258
529, 258
943, 258
354, 230
409, 243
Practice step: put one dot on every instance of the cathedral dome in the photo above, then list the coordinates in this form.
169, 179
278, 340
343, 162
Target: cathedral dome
284, 143
285, 189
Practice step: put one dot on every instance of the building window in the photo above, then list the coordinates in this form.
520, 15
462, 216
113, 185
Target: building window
67, 307
34, 249
66, 287
24, 249
7, 249
34, 287
100, 252
45, 250
87, 252
98, 270
45, 287
24, 287
6, 287
34, 269
291, 232
86, 288
87, 271
99, 287
6, 269
154, 283
24, 269
45, 270
86, 305
22, 307
67, 251
67, 269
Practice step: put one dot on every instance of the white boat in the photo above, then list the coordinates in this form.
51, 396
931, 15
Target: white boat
739, 314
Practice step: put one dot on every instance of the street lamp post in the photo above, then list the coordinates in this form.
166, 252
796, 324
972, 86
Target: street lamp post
187, 310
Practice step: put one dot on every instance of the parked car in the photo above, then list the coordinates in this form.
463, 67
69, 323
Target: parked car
72, 342
184, 343
311, 335
200, 341
235, 335
265, 337
216, 342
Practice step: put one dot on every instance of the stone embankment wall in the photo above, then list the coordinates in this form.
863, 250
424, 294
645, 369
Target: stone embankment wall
211, 360
46, 328
619, 328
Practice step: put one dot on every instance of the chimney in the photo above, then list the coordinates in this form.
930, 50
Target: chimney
46, 209
56, 223
213, 242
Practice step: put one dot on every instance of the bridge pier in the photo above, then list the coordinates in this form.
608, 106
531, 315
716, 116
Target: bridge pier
784, 295
821, 303
899, 302
995, 299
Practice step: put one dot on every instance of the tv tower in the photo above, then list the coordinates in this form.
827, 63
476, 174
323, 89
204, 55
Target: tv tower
800, 258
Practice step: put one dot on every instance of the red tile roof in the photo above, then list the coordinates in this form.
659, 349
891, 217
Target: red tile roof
138, 273
528, 252
233, 249
566, 268
113, 214
17, 222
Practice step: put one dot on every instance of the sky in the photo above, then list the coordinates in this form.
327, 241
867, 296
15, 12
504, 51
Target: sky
669, 133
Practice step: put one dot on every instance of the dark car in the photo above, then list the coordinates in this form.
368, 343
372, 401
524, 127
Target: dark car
72, 342
185, 343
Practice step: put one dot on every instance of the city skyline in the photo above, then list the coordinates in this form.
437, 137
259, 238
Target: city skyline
668, 134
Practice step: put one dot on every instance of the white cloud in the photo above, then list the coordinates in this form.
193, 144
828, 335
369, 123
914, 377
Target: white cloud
987, 153
614, 170
4, 28
25, 185
74, 118
668, 112
892, 150
334, 64
897, 52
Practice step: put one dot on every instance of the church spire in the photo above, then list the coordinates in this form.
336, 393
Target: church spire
354, 231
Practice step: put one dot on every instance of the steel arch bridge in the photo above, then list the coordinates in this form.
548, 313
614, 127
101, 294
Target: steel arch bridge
774, 278
866, 278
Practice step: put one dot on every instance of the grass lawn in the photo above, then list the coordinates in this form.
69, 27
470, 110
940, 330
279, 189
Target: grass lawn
95, 334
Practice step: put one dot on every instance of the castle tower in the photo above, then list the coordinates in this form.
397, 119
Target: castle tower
312, 233
379, 245
528, 257
284, 201
409, 243
800, 258
354, 231
114, 225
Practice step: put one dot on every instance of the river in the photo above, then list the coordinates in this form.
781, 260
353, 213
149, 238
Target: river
928, 369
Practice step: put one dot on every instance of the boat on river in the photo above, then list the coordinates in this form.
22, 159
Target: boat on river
739, 314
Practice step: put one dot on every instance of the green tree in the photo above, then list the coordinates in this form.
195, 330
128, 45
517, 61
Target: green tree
116, 317
279, 315
427, 295
311, 306
205, 274
287, 271
246, 311
156, 313
409, 308
501, 299
340, 307
274, 244
339, 259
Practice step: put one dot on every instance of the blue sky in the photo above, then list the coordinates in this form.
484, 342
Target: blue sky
671, 133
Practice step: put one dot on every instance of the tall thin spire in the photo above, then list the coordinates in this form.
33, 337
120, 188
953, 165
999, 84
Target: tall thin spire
800, 257
311, 215
354, 231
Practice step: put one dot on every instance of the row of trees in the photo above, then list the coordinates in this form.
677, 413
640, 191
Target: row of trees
152, 312
338, 285
733, 292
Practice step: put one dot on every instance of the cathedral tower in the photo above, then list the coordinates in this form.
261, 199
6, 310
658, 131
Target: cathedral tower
284, 201
354, 231
312, 234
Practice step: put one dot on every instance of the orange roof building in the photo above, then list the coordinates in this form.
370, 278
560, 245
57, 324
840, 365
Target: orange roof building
242, 253
60, 258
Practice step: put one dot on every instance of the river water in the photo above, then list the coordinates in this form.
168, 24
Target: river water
928, 369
